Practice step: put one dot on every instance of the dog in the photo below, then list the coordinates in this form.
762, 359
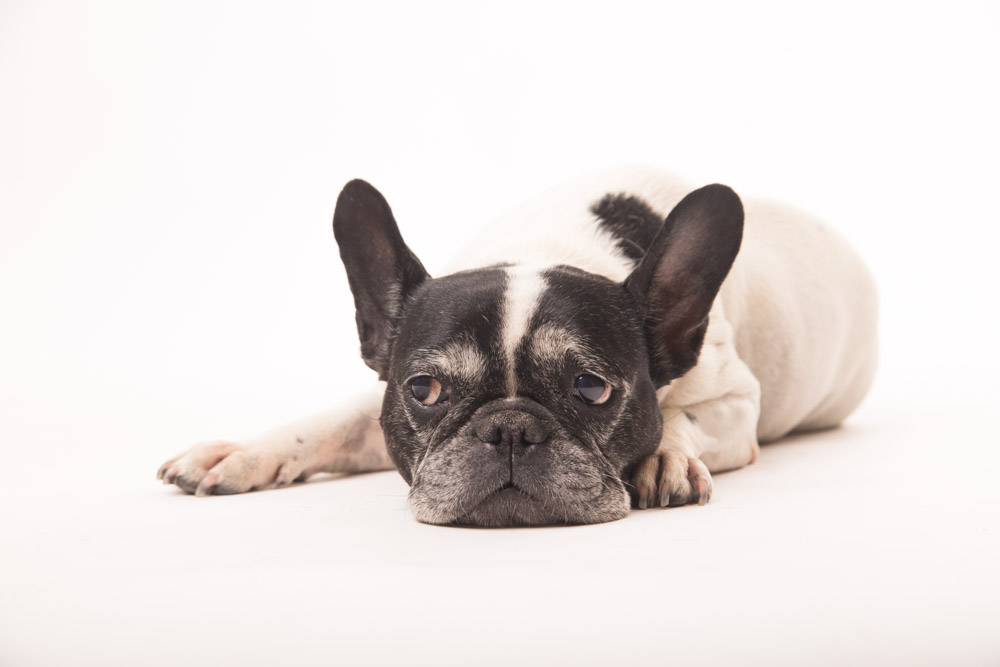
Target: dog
610, 345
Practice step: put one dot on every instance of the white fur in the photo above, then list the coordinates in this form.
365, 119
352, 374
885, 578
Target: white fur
558, 228
345, 439
524, 287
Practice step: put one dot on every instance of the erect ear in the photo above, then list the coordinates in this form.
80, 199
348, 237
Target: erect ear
677, 280
381, 270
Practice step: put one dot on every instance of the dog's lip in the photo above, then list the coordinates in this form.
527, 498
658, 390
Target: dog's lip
509, 488
519, 507
506, 489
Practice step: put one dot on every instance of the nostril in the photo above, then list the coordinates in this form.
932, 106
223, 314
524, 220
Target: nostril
535, 433
489, 434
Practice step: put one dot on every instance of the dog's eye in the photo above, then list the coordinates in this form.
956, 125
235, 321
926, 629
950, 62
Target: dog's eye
592, 389
428, 390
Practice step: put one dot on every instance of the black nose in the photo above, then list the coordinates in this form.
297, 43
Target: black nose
512, 427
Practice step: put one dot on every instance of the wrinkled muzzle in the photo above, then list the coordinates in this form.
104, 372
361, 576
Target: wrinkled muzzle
512, 464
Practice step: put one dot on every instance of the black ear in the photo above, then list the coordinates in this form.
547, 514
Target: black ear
381, 270
677, 280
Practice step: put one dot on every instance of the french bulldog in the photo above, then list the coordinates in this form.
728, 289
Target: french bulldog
607, 346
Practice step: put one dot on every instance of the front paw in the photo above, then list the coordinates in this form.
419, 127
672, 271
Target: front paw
221, 468
669, 478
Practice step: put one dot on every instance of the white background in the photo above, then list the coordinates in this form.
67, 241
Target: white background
167, 275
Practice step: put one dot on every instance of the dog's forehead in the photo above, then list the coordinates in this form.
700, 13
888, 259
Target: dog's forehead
465, 305
589, 317
452, 324
494, 322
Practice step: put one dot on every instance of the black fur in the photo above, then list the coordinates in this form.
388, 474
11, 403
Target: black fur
678, 279
630, 220
575, 474
595, 310
462, 306
381, 270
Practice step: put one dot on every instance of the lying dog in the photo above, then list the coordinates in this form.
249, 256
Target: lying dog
584, 356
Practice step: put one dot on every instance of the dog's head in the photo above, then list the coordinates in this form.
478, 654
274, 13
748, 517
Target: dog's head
522, 396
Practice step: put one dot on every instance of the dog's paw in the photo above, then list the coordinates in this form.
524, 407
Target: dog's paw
221, 468
669, 478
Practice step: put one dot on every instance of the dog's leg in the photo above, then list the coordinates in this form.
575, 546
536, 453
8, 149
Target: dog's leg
709, 425
345, 440
713, 436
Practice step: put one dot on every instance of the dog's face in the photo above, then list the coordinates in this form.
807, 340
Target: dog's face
524, 396
507, 405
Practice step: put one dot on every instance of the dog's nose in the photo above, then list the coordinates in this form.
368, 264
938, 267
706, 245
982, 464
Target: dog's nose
512, 427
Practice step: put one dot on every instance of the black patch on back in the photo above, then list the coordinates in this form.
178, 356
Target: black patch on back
630, 220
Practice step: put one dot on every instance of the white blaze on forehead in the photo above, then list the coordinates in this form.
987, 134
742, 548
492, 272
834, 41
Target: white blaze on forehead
524, 287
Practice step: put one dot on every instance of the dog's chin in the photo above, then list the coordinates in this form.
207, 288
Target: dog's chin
511, 507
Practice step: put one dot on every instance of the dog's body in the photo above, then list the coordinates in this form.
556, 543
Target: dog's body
494, 410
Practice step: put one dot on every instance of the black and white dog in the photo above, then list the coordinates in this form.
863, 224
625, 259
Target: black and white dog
608, 345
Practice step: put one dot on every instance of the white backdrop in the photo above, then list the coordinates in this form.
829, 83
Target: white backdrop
168, 275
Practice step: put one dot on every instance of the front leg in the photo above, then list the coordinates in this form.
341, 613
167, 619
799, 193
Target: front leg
713, 436
710, 421
345, 440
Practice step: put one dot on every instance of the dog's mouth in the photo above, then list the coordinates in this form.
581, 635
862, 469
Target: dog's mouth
562, 484
509, 490
509, 505
511, 487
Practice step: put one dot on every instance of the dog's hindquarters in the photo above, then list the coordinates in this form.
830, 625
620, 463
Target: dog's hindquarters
804, 311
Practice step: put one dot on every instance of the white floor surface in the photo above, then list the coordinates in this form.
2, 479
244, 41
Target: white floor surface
874, 544
168, 172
